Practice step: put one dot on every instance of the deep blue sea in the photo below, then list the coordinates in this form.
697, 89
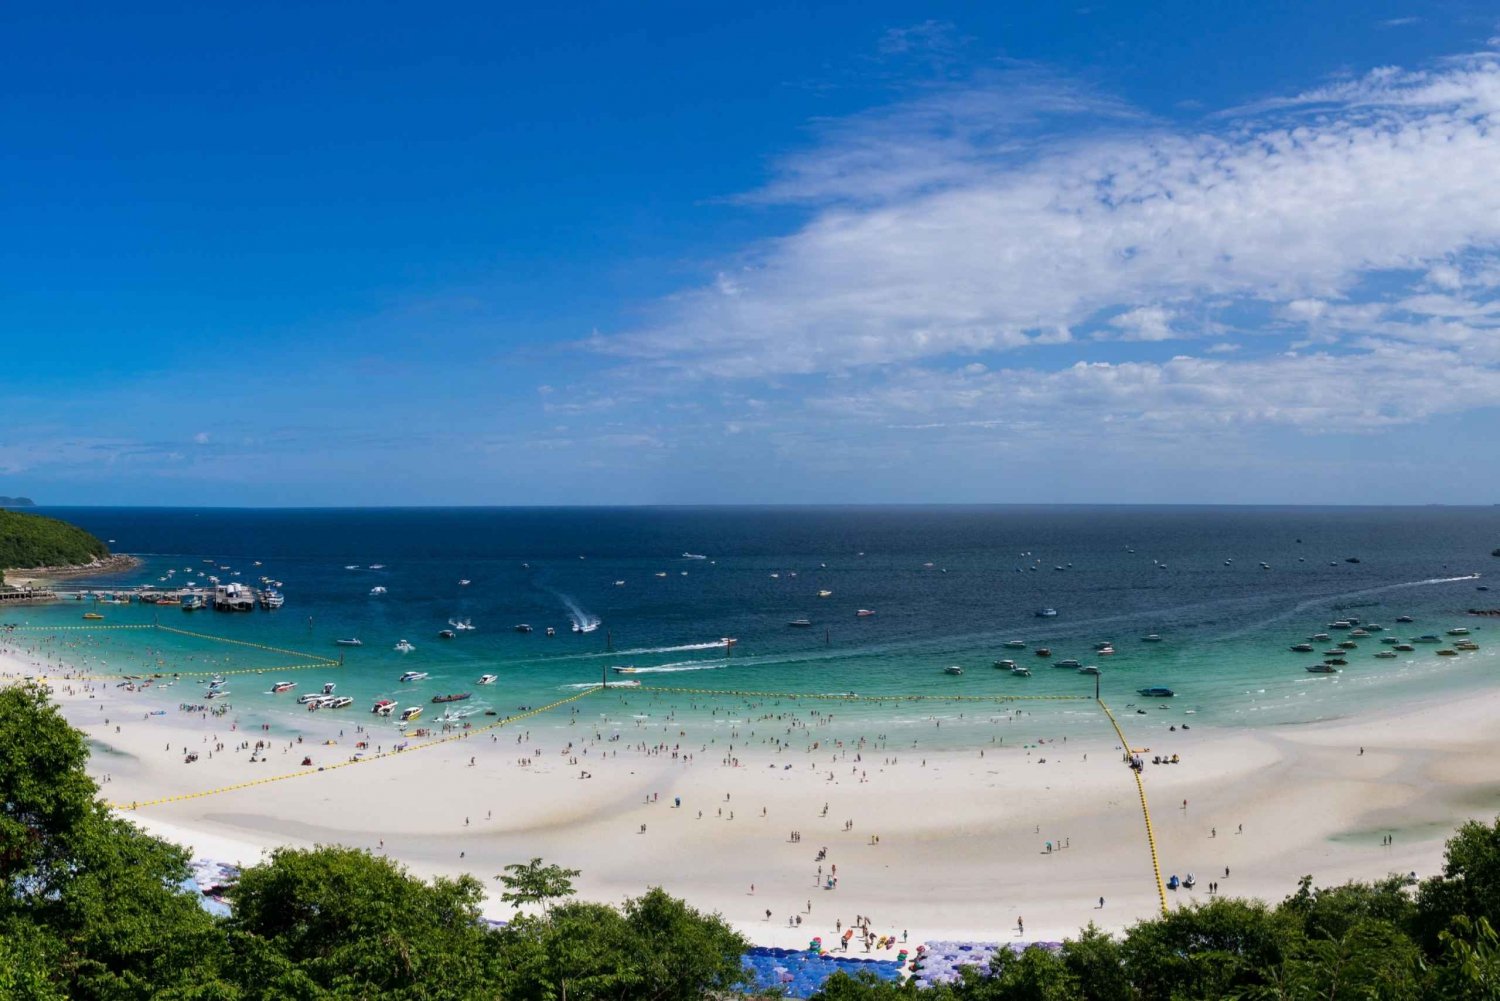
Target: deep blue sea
947, 585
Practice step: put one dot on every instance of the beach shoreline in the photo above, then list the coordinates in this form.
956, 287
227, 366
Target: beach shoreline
940, 844
39, 577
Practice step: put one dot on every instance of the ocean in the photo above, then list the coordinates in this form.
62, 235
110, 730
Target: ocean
948, 586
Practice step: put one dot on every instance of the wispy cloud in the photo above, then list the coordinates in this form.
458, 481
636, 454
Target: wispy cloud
1359, 218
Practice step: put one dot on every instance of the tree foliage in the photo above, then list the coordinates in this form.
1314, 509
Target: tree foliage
535, 882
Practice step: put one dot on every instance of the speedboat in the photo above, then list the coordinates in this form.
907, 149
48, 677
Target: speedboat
377, 566
404, 647
351, 641
1405, 647
864, 612
384, 707
446, 634
1359, 633
728, 640
1021, 672
1321, 669
338, 702
377, 590
462, 625
410, 713
1088, 669
1046, 613
1042, 651
328, 687
465, 582
92, 616
1389, 640
1302, 648
824, 593
1156, 693
1428, 638
800, 623
1447, 653
303, 700
487, 679
625, 670
283, 686
1005, 665
694, 556
414, 676
553, 632
1458, 631
1151, 638
1348, 645
1341, 624
1468, 645
955, 669
1385, 654
1069, 662
1105, 651
1405, 618
1015, 644
523, 628
1319, 637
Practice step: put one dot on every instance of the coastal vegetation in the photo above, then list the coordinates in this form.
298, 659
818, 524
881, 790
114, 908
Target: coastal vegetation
31, 540
93, 908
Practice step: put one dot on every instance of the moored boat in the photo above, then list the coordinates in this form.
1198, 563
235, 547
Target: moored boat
1156, 693
487, 679
453, 697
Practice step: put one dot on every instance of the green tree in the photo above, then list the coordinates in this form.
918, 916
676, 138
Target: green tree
656, 949
1469, 885
1096, 965
535, 883
1220, 949
865, 986
101, 895
353, 925
1470, 967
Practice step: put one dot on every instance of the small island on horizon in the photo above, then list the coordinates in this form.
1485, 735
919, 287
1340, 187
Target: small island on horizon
17, 502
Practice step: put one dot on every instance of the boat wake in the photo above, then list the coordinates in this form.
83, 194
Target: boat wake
583, 621
691, 665
643, 651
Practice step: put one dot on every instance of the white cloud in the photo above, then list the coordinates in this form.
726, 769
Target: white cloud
1357, 223
1144, 323
201, 438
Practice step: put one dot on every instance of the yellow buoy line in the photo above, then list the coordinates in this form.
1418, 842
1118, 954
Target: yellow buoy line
448, 738
308, 660
1140, 785
836, 697
256, 646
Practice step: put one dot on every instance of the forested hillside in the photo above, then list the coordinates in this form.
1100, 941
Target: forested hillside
30, 540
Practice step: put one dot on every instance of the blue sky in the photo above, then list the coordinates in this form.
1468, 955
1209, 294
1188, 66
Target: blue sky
460, 253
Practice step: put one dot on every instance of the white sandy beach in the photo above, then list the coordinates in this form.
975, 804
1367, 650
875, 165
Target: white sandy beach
962, 835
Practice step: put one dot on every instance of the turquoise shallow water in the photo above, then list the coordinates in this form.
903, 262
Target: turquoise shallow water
948, 587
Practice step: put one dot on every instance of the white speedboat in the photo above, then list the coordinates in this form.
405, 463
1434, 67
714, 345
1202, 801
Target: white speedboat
864, 613
377, 590
384, 707
351, 641
283, 686
487, 679
694, 556
462, 625
824, 593
414, 676
465, 582
1021, 672
404, 647
954, 670
1088, 669
1015, 644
